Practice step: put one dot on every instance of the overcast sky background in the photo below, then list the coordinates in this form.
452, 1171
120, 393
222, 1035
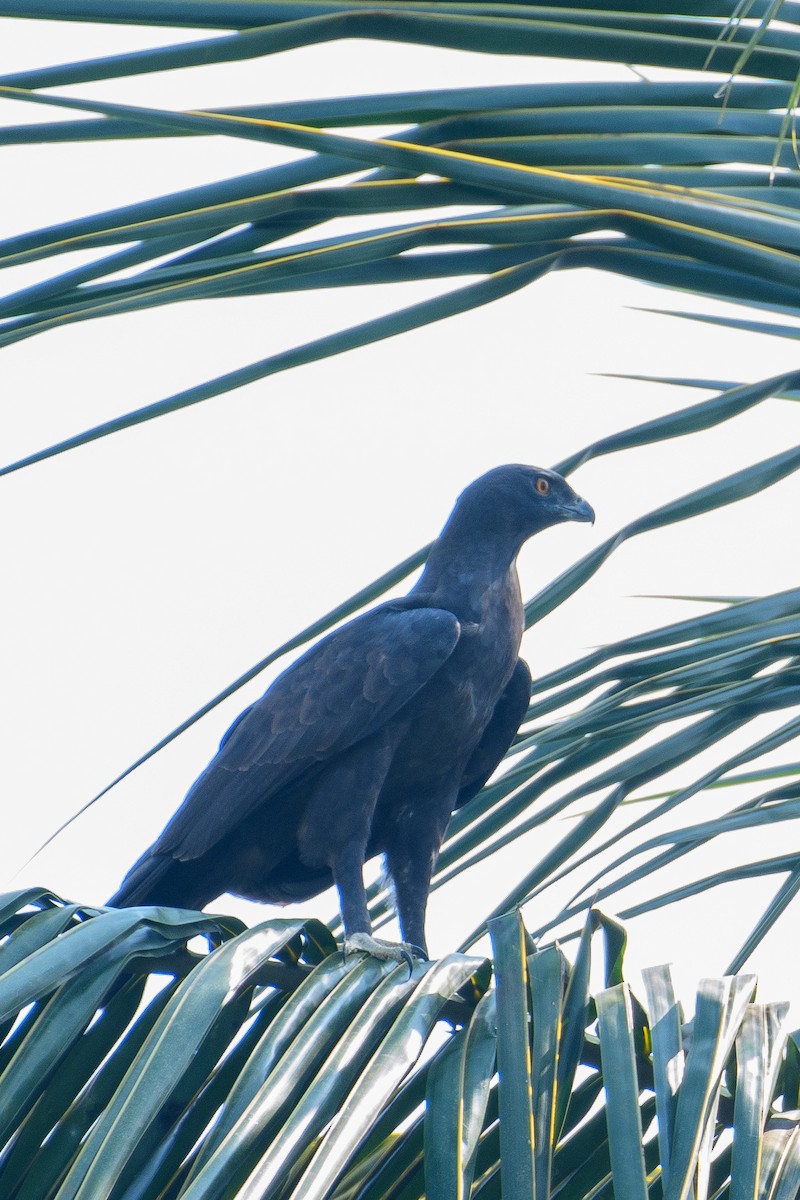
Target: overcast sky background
145, 572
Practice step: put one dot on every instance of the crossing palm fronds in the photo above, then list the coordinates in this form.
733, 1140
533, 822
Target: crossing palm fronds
135, 1063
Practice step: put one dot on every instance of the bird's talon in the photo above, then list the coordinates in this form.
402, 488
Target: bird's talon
385, 951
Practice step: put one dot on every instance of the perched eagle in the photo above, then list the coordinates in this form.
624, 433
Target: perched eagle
367, 743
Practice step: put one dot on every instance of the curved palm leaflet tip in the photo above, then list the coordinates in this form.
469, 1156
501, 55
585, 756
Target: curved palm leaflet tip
273, 1087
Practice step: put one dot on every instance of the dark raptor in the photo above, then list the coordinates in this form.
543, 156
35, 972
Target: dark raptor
367, 743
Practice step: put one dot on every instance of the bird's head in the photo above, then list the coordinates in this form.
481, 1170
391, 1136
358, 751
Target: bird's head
517, 501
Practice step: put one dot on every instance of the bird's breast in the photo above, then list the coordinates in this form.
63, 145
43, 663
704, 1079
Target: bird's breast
455, 706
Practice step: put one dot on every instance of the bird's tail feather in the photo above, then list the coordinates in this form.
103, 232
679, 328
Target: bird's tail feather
161, 879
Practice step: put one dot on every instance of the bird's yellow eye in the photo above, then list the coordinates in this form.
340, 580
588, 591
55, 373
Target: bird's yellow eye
542, 486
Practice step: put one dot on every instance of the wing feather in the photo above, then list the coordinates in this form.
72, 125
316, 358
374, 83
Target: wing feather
340, 692
498, 734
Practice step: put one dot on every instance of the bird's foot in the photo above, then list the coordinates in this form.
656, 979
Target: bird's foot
385, 951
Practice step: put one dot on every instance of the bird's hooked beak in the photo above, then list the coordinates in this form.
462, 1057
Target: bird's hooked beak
577, 510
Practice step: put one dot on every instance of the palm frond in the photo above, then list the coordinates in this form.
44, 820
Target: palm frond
209, 1088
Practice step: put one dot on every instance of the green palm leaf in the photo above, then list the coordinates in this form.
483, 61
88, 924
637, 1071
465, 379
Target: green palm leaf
265, 1009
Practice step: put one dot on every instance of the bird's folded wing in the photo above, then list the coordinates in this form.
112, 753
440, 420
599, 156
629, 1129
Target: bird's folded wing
347, 687
498, 734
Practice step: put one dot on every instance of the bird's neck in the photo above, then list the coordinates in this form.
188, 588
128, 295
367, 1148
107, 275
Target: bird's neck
460, 573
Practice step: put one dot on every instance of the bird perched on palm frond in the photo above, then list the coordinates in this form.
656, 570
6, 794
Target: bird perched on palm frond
366, 744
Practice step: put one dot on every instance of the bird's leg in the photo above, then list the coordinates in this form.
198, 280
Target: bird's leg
348, 873
411, 902
335, 831
411, 861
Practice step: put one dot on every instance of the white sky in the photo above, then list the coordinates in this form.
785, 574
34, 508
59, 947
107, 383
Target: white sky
145, 572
